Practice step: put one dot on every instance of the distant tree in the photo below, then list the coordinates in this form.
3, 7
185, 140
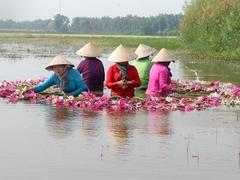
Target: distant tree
50, 26
61, 23
76, 25
163, 24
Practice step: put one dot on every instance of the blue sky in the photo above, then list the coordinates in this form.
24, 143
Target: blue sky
34, 9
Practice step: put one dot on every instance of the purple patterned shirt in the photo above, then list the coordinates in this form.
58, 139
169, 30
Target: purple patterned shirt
93, 74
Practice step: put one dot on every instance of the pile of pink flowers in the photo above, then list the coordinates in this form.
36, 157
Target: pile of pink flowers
188, 96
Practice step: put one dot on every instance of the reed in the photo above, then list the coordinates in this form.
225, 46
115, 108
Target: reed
212, 28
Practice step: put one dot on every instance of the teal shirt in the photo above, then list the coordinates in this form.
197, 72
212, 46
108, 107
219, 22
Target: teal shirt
75, 84
143, 67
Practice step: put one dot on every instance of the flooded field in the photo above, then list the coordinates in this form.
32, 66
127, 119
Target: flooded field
40, 141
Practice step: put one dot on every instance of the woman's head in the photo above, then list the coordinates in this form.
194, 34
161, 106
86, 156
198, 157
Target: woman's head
59, 61
164, 57
89, 50
122, 54
143, 51
123, 63
165, 63
123, 69
59, 69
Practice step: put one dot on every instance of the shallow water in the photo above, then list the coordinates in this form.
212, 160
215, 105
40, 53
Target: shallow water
39, 141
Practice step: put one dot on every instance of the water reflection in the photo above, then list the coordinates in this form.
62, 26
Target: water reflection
141, 125
141, 139
119, 126
60, 121
209, 70
90, 123
159, 123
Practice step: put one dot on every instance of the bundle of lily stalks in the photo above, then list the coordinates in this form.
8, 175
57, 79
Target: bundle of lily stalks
187, 96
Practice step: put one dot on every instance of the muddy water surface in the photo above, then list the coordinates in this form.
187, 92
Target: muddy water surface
39, 141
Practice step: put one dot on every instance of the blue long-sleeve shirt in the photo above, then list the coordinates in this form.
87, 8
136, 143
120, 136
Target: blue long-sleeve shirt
75, 84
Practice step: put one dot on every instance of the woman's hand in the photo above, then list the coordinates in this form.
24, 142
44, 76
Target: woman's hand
28, 89
129, 82
121, 83
124, 83
67, 94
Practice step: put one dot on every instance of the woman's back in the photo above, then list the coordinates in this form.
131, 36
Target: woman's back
93, 74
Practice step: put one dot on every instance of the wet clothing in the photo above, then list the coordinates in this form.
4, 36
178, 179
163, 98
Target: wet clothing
93, 74
113, 76
159, 80
143, 67
75, 84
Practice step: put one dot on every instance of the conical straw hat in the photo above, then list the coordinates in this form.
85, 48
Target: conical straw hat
89, 50
122, 54
58, 60
144, 51
164, 55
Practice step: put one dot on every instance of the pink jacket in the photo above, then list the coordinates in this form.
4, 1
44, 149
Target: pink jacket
159, 80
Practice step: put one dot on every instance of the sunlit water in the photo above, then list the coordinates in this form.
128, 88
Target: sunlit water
39, 141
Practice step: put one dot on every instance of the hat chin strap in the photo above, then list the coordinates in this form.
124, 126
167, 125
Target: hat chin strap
64, 71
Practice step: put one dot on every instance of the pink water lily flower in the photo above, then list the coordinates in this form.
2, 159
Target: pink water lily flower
214, 101
198, 95
189, 107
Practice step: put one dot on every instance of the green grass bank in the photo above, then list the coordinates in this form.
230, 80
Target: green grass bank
103, 41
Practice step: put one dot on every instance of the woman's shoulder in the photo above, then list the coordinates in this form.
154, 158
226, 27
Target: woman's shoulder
92, 60
97, 62
113, 66
132, 67
73, 72
159, 68
52, 76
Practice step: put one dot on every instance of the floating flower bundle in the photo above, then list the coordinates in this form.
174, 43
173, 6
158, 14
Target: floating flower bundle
188, 96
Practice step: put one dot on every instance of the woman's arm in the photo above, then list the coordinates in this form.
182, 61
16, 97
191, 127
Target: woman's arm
135, 82
81, 86
46, 84
110, 82
163, 82
80, 67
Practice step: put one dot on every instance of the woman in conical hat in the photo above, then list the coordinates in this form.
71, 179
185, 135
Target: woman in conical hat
91, 68
65, 77
160, 75
143, 63
122, 78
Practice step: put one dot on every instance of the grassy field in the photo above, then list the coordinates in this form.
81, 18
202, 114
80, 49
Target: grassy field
106, 42
103, 41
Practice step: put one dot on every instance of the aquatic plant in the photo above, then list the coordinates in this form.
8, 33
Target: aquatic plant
188, 96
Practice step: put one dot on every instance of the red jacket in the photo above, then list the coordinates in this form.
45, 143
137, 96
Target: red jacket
113, 77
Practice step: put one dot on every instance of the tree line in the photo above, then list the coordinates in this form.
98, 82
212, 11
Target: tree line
163, 24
